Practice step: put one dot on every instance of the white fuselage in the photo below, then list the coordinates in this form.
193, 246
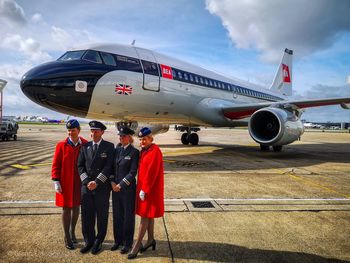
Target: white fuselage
170, 99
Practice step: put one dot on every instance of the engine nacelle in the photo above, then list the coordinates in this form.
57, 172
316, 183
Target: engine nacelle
274, 126
136, 127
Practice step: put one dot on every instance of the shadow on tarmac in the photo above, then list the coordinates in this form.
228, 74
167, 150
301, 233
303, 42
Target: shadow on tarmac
220, 252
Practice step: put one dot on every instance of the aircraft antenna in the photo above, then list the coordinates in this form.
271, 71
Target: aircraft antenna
133, 42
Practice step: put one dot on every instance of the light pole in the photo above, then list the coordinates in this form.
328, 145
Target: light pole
2, 86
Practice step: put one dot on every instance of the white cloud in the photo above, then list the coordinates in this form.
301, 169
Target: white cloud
66, 39
271, 25
38, 19
11, 14
28, 46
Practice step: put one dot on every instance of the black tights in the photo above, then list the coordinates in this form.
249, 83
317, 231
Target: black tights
69, 219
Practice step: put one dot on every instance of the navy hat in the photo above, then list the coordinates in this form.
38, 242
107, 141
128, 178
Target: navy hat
144, 132
125, 131
96, 125
71, 124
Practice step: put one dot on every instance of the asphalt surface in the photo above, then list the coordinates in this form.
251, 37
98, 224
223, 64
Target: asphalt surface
292, 206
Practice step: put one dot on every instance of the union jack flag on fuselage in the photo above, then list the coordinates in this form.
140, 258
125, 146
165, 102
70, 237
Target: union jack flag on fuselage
123, 89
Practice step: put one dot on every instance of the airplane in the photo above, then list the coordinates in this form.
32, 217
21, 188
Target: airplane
132, 85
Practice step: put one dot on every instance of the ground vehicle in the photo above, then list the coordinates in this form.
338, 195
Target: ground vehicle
8, 129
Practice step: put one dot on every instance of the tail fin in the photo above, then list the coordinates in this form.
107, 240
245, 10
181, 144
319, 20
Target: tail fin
283, 79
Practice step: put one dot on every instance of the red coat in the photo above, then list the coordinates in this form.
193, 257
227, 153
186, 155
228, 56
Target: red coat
151, 181
65, 170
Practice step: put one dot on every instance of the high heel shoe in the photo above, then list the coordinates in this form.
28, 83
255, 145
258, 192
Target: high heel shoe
134, 255
152, 244
69, 243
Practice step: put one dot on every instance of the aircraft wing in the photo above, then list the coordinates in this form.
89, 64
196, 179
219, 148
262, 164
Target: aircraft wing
245, 110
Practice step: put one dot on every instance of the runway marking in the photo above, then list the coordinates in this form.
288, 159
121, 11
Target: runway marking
28, 166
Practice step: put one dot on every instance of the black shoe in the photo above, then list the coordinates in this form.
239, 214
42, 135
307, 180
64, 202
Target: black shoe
115, 246
85, 248
132, 256
69, 244
152, 244
96, 248
125, 250
74, 239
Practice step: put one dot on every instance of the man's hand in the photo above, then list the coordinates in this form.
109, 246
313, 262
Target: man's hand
116, 188
142, 195
92, 185
57, 186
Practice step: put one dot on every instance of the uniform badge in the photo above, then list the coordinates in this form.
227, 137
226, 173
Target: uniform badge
103, 155
127, 157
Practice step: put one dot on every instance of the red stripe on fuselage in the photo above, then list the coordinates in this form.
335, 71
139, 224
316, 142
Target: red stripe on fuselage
236, 115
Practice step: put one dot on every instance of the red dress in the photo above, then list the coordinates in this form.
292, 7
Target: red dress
65, 170
151, 181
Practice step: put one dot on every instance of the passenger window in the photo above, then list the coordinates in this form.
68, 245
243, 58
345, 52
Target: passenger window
191, 78
196, 78
150, 68
179, 74
92, 56
201, 80
206, 81
210, 83
128, 63
108, 59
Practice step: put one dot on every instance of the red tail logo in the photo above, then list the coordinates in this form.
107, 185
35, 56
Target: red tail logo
285, 72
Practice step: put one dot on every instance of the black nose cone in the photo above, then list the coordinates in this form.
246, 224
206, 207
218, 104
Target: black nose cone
53, 85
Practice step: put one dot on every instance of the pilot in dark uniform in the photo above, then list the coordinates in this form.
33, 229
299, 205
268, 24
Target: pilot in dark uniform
95, 166
123, 183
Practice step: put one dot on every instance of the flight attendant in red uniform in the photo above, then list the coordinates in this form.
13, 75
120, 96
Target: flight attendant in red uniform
149, 192
67, 181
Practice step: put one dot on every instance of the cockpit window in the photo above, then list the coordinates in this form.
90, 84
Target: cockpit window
108, 59
72, 55
92, 56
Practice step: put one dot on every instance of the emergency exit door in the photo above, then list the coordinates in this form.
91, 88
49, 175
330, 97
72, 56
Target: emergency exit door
151, 77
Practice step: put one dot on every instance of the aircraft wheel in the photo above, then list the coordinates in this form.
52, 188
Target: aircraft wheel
6, 138
15, 137
3, 137
194, 139
184, 138
264, 148
277, 148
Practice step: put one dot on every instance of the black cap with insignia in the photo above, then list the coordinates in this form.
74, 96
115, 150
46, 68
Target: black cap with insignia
125, 131
71, 124
96, 125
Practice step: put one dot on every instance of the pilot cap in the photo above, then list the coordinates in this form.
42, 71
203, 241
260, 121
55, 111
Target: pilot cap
144, 132
71, 124
125, 131
96, 125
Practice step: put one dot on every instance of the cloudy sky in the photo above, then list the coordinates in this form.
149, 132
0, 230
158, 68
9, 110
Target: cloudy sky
240, 38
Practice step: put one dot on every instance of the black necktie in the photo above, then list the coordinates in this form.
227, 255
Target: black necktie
94, 150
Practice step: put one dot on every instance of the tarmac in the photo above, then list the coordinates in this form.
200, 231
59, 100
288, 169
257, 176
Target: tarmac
225, 200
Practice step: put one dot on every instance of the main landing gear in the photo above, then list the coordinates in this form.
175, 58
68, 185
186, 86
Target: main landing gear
189, 136
266, 148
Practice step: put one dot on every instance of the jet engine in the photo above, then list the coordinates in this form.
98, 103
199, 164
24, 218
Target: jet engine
275, 127
136, 127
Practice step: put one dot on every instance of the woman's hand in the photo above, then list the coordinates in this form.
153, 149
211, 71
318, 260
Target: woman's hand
142, 195
58, 187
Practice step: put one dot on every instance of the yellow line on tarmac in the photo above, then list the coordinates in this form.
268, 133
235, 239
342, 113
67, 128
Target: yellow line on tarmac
29, 166
313, 184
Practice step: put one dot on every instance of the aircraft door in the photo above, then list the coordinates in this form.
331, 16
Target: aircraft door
151, 73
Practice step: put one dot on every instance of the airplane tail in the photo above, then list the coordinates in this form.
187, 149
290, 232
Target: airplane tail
282, 82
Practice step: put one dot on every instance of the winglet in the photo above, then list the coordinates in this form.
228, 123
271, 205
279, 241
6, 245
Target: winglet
283, 79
